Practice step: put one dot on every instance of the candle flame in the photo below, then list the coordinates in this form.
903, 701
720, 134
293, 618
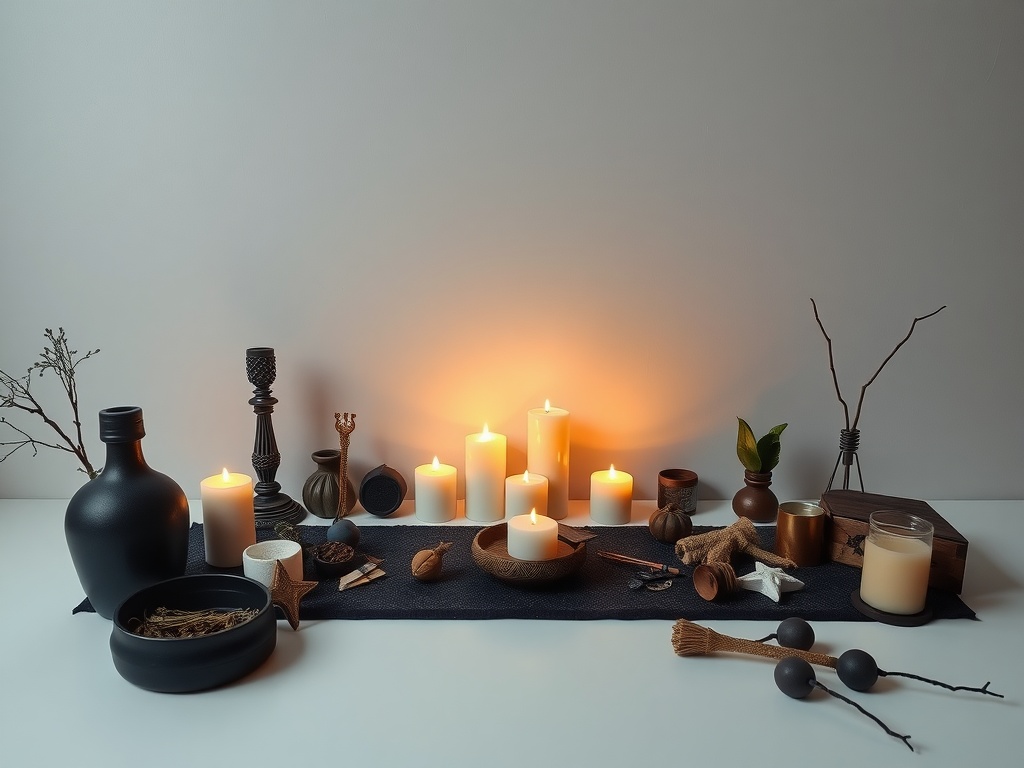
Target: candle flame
526, 476
547, 406
486, 434
225, 475
436, 465
533, 516
611, 470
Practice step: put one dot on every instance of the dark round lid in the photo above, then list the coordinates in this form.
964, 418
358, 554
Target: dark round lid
122, 424
382, 490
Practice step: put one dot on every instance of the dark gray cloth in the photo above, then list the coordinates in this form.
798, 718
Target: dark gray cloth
598, 591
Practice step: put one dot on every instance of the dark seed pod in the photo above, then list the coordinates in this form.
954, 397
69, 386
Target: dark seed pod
857, 669
345, 531
794, 677
794, 632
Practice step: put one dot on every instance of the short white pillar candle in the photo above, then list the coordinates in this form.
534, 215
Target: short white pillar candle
532, 537
435, 485
611, 497
229, 523
525, 492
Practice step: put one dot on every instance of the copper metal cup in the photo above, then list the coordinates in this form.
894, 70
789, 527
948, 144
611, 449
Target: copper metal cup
678, 487
800, 532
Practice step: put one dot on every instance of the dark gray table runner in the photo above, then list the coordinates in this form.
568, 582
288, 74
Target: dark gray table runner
598, 591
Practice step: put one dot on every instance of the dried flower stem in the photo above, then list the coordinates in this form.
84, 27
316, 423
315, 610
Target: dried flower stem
62, 360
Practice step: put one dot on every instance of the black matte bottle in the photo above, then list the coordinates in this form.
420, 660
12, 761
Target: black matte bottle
127, 528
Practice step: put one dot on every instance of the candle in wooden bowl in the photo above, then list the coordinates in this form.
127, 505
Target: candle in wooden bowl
532, 537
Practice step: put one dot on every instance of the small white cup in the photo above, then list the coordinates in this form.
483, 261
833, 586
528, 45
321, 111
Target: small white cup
258, 560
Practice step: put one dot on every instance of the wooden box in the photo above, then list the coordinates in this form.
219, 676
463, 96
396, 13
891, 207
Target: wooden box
847, 526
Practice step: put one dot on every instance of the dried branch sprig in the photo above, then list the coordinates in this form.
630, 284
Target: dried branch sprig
16, 393
863, 389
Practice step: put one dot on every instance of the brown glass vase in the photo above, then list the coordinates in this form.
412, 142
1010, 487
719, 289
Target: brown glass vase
756, 500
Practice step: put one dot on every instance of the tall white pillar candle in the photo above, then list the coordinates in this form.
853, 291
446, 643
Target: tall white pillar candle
485, 476
435, 485
525, 492
532, 537
547, 454
611, 496
229, 523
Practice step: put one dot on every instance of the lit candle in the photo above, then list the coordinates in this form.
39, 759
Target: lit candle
485, 476
897, 562
525, 492
547, 454
532, 537
611, 496
229, 524
435, 492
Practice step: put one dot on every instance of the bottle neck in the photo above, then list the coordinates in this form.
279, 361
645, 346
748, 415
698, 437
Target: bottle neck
124, 458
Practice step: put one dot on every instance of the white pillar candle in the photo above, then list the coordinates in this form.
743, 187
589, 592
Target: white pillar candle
547, 454
485, 476
611, 496
435, 492
532, 537
229, 524
897, 563
525, 492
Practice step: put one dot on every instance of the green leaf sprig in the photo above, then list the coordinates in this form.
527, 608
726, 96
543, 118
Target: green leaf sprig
758, 455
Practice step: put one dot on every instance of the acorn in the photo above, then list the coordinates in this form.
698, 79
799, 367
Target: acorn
426, 564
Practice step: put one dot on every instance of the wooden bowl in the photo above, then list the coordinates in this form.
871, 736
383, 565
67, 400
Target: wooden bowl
490, 553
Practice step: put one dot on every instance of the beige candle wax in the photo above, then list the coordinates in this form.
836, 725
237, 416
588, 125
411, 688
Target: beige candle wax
897, 562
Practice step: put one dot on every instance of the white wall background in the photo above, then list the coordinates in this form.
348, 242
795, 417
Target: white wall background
441, 213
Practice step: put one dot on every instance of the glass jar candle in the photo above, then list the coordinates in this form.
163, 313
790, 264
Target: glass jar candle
897, 562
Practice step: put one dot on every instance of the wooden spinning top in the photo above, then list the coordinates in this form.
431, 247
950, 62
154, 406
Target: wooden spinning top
714, 580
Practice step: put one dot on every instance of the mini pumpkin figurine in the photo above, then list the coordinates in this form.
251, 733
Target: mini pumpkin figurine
670, 524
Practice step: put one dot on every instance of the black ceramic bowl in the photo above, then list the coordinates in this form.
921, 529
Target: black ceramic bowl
179, 665
328, 569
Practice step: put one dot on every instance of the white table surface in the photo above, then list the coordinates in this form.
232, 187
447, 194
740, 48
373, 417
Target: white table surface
509, 693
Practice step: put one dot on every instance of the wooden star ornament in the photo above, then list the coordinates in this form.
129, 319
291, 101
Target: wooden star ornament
287, 594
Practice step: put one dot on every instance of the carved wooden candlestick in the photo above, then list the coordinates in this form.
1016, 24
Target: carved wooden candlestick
271, 506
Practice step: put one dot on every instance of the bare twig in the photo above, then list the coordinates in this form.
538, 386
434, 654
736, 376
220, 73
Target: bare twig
863, 389
832, 366
860, 402
63, 361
